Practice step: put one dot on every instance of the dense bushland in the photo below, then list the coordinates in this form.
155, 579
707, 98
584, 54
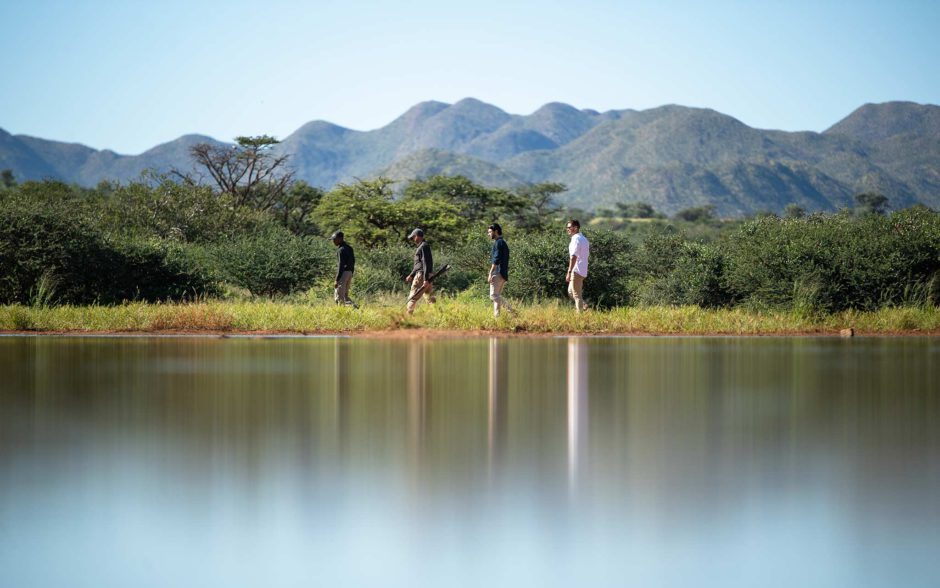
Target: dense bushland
164, 240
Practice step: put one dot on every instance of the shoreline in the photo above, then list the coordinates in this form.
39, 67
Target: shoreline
424, 333
450, 319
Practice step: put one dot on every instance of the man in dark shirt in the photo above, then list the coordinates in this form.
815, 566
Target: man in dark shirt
423, 266
499, 269
344, 273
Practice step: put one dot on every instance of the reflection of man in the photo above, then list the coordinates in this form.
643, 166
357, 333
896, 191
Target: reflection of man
347, 265
579, 250
421, 271
577, 409
499, 269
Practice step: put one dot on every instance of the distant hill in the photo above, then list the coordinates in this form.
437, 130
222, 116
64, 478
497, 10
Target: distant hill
673, 156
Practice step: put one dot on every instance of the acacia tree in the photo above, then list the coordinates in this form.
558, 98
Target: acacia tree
540, 204
368, 213
249, 171
475, 202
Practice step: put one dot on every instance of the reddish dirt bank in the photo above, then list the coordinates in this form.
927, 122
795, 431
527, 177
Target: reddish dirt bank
458, 334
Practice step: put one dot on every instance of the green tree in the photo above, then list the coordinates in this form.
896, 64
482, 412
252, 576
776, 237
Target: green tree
794, 211
699, 214
7, 179
368, 213
364, 210
250, 172
872, 203
295, 209
540, 205
474, 202
637, 210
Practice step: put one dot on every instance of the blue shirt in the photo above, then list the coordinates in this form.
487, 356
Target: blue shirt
500, 257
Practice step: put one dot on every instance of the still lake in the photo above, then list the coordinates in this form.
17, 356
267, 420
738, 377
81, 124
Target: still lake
660, 461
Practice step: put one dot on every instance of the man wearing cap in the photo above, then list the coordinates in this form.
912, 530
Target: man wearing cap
423, 266
344, 273
578, 249
499, 269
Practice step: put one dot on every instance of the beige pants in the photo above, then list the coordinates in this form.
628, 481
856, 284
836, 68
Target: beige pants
416, 285
497, 281
574, 291
341, 293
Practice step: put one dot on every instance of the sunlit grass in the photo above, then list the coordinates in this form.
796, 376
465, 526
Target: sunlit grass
452, 314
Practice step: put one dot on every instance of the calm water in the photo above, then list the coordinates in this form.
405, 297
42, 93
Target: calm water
479, 462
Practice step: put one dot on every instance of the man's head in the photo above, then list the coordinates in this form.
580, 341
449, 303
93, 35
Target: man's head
337, 238
573, 226
494, 231
416, 235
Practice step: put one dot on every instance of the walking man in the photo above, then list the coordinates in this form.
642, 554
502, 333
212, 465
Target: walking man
499, 269
579, 249
347, 265
421, 271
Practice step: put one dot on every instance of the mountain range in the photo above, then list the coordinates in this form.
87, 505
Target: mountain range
673, 157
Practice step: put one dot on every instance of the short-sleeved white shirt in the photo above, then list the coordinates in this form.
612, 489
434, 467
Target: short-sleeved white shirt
580, 246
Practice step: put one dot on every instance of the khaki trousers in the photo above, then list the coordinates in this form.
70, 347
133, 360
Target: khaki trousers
575, 286
341, 293
497, 282
416, 285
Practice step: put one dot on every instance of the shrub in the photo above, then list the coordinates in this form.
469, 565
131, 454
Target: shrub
273, 261
680, 272
835, 262
49, 252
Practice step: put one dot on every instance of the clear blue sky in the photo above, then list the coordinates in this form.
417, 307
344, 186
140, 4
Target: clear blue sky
129, 74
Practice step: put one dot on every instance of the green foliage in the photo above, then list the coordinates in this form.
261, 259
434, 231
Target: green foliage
871, 203
699, 214
382, 270
273, 261
537, 265
794, 211
475, 203
539, 205
166, 240
7, 179
295, 209
176, 212
675, 271
610, 268
367, 213
637, 210
834, 262
364, 211
249, 172
48, 253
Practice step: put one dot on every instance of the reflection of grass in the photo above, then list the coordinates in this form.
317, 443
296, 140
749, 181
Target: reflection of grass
453, 315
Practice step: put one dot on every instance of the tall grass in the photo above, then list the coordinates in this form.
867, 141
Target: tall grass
458, 314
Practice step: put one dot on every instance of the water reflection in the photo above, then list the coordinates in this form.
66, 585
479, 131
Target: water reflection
497, 404
556, 462
577, 407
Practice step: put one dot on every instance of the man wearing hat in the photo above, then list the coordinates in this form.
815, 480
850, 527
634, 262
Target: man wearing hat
423, 266
344, 273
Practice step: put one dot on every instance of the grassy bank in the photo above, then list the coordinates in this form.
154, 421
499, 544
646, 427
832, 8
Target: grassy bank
453, 315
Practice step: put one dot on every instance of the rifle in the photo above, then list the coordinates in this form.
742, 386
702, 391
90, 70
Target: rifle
431, 277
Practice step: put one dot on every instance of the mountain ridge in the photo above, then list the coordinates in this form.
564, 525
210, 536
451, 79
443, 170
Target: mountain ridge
672, 156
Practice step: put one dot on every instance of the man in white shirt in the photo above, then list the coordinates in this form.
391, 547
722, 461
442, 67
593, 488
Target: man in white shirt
579, 249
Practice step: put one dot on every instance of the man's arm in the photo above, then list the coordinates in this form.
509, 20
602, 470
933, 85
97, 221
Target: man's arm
428, 261
339, 269
571, 263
